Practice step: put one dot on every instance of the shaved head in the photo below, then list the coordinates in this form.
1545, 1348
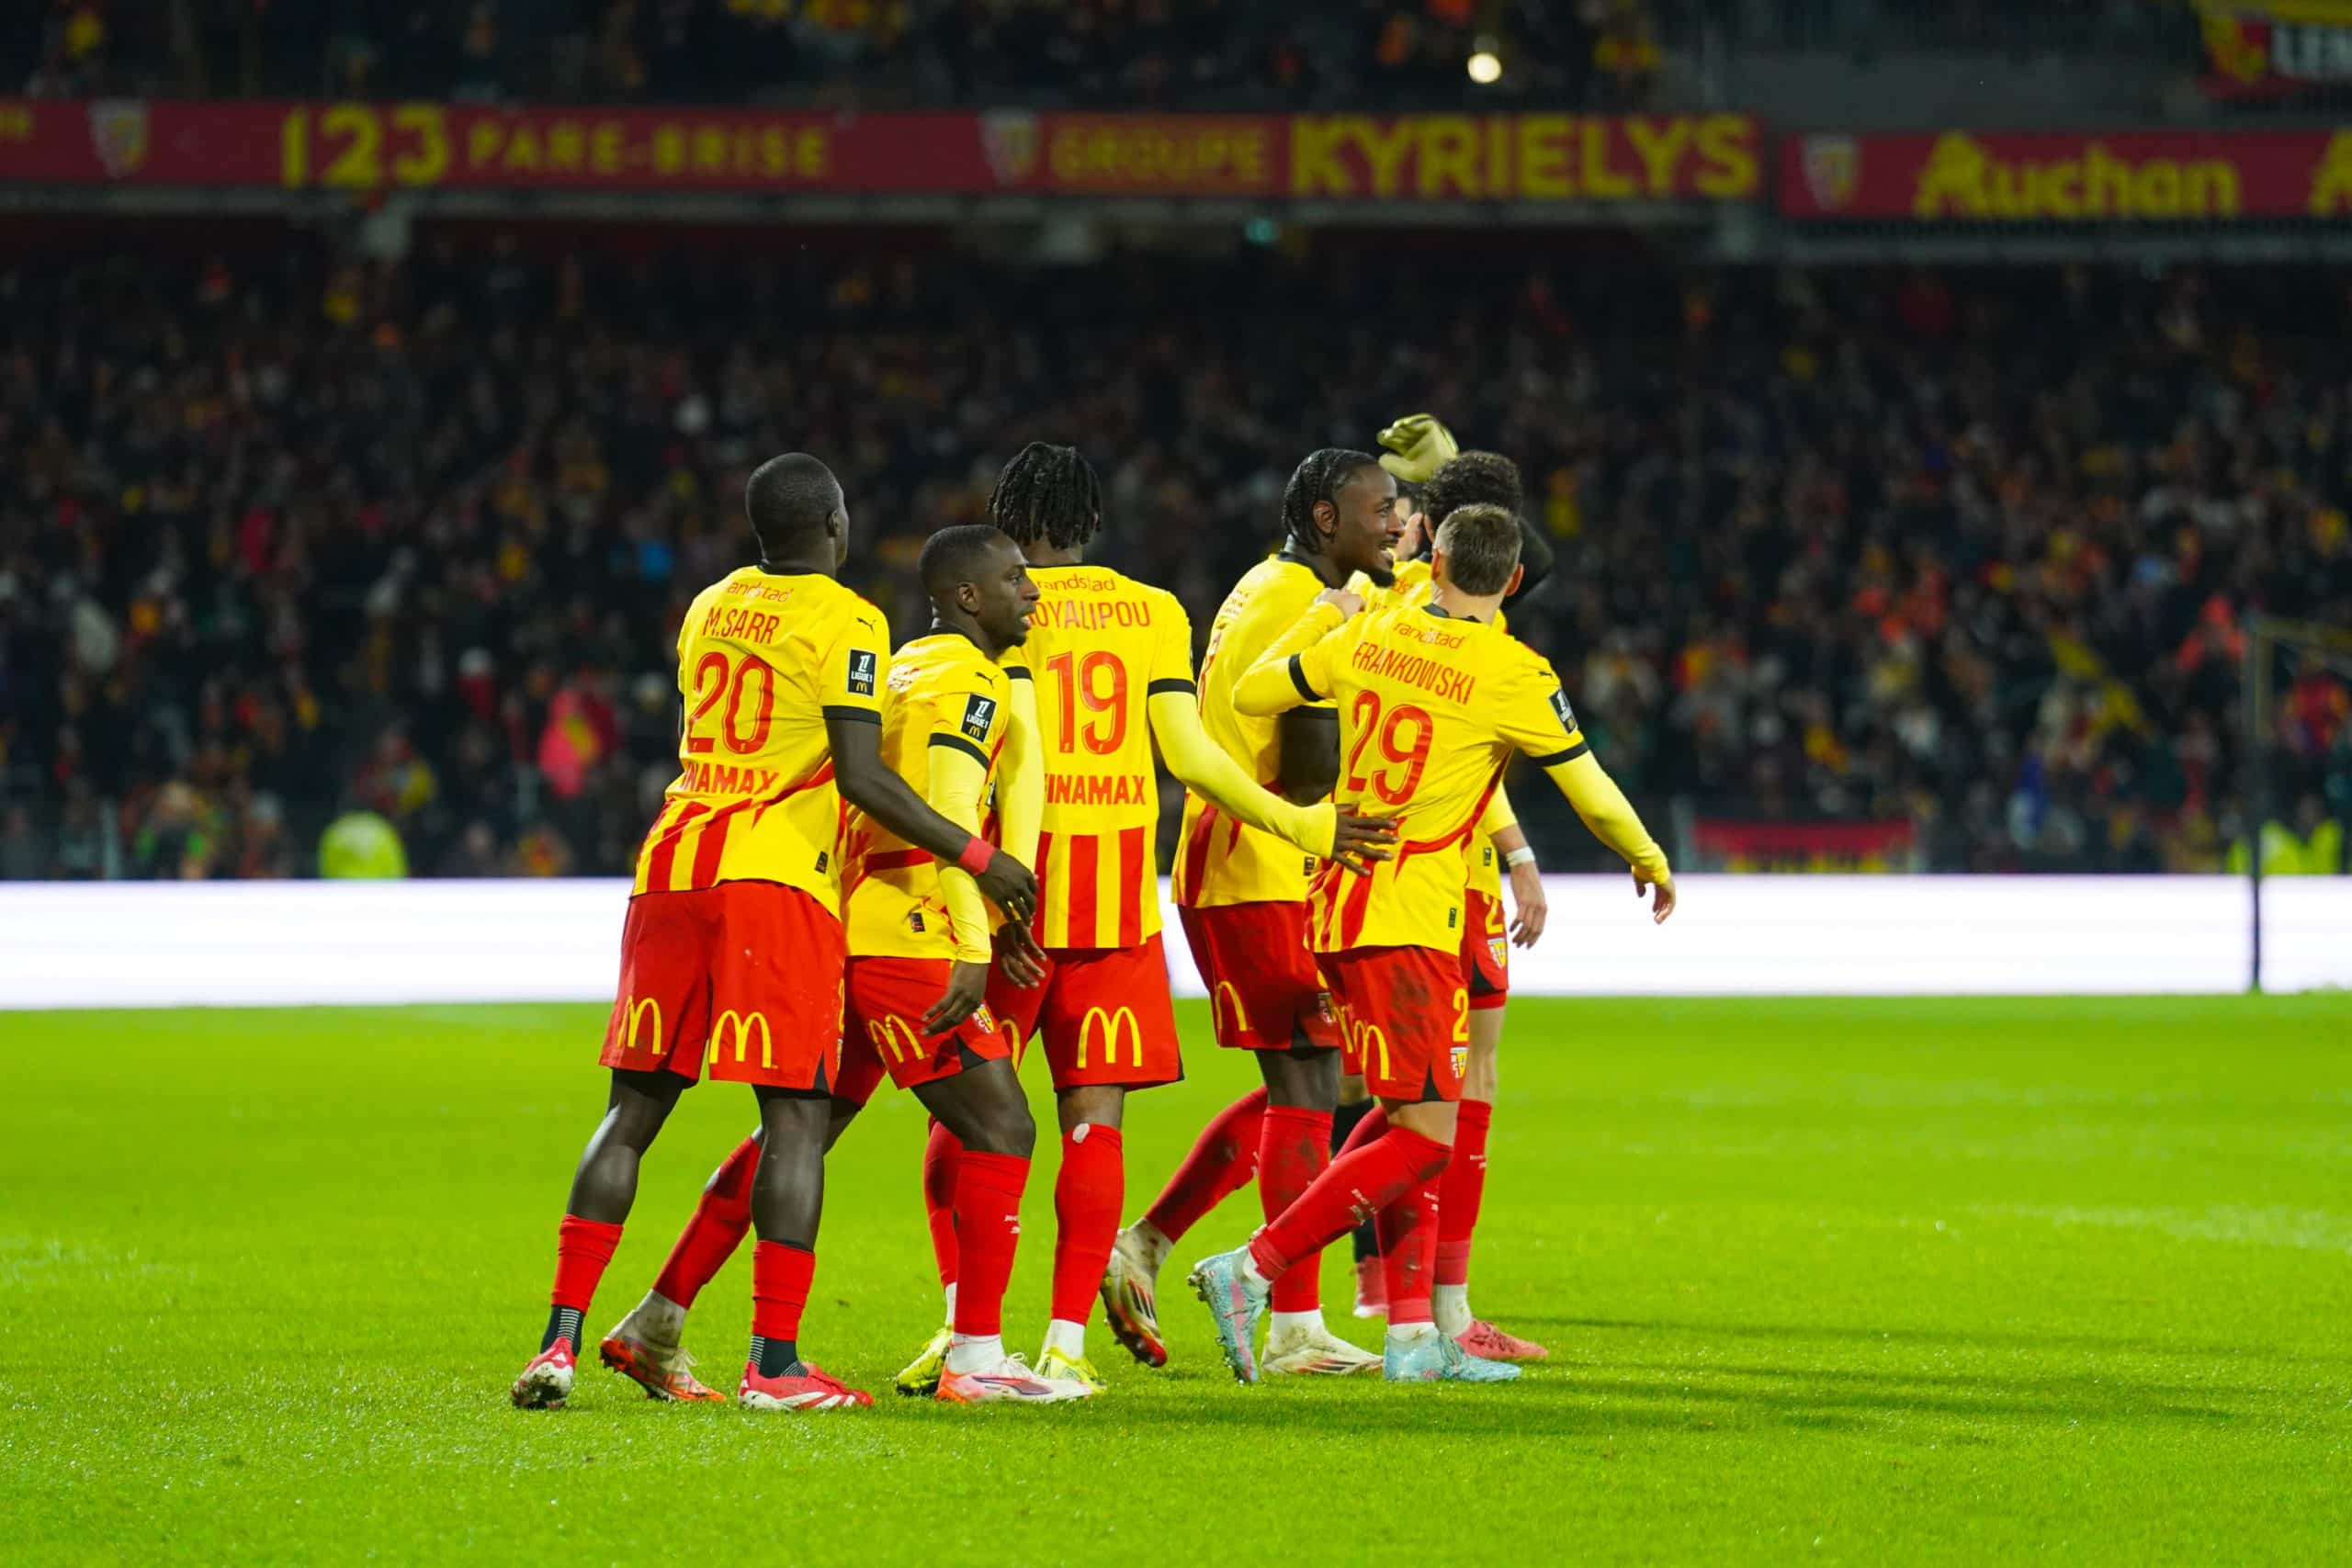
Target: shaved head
789, 501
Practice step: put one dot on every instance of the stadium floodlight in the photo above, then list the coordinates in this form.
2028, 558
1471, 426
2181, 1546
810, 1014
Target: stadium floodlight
1485, 68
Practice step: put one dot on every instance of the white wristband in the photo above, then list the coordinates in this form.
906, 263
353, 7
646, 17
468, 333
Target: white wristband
1519, 856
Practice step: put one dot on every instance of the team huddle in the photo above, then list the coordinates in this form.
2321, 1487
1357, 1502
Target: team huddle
917, 864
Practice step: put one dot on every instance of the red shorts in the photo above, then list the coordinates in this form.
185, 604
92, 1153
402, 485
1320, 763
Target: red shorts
1265, 993
882, 1029
1102, 1014
1404, 1016
1486, 951
744, 978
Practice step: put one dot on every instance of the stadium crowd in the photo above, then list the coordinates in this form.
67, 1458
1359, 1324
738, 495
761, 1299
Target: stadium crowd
1194, 54
285, 539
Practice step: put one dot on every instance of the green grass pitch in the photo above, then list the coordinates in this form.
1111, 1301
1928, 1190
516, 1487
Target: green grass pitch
1838, 1282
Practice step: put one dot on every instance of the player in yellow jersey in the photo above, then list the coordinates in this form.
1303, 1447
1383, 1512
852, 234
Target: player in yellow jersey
731, 955
1112, 659
919, 938
1423, 453
1433, 699
1242, 895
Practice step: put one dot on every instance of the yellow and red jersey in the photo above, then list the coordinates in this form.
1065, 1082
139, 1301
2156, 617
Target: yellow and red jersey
945, 696
1414, 586
1100, 644
1218, 859
1431, 709
763, 659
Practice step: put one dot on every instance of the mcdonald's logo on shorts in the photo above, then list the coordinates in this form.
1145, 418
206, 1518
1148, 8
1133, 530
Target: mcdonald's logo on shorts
637, 1008
895, 1038
739, 1025
1226, 989
1363, 1039
1116, 1026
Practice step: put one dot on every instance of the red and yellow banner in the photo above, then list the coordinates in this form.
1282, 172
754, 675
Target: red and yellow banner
2257, 49
1959, 176
1821, 847
373, 146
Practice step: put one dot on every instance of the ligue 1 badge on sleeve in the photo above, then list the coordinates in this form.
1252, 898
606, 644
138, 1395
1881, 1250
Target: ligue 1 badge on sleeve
119, 134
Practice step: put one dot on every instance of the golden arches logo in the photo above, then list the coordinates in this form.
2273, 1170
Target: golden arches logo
1363, 1039
741, 1026
637, 1007
895, 1038
1116, 1026
1225, 988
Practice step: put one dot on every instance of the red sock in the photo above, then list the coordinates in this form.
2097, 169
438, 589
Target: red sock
1223, 1160
1293, 1151
720, 1217
1408, 1251
1460, 1192
582, 1247
1357, 1184
987, 1224
1371, 1125
1374, 1124
1088, 1195
780, 1275
941, 1155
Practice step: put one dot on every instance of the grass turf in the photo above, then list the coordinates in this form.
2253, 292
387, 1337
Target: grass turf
1834, 1281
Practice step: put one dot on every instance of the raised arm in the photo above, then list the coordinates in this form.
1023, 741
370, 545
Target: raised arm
1296, 669
1537, 720
1205, 769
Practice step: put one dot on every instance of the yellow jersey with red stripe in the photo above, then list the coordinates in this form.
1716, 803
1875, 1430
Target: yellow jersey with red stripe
1431, 709
1414, 586
943, 693
1100, 644
764, 661
1218, 859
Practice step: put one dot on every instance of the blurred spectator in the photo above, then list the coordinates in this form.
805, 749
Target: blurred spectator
1970, 551
1228, 54
362, 846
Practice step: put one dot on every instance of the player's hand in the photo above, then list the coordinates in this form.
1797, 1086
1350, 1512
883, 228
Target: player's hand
967, 987
1661, 891
1018, 956
1348, 601
1529, 907
1416, 535
1358, 841
1418, 446
1008, 885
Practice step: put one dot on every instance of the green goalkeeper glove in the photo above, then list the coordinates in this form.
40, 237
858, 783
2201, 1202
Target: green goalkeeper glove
1418, 447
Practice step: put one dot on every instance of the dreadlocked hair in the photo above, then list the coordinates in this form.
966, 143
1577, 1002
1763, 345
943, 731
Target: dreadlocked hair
1047, 494
1319, 478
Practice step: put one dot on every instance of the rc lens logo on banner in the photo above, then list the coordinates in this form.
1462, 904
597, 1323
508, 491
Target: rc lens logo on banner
1112, 1028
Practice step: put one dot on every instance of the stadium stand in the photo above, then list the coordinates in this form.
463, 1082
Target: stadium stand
289, 538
